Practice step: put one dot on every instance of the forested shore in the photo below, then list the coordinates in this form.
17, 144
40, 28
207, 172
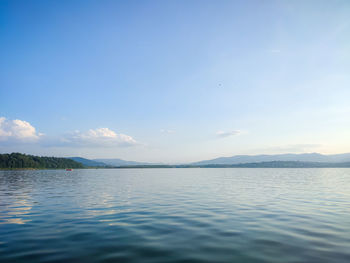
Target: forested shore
24, 161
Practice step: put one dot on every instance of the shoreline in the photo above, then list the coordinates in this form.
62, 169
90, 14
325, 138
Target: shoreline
172, 167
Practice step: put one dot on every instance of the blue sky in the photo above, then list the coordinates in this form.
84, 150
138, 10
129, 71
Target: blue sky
174, 81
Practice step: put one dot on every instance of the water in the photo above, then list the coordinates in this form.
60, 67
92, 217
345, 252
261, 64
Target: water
175, 215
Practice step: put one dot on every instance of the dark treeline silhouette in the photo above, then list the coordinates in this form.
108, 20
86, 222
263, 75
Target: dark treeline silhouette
19, 160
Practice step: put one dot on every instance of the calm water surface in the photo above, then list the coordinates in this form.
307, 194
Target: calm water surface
175, 215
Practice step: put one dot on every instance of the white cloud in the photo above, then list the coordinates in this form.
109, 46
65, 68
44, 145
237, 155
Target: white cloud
223, 134
13, 132
17, 130
98, 137
167, 131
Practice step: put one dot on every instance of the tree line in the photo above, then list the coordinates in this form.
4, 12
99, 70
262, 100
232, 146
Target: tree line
19, 160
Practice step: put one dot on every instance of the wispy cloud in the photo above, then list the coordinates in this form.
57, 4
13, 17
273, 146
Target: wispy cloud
167, 131
224, 134
17, 131
292, 148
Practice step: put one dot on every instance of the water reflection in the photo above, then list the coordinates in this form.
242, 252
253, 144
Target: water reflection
15, 210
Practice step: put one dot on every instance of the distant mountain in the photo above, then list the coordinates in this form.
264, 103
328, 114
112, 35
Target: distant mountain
120, 162
278, 160
279, 164
87, 162
304, 157
311, 160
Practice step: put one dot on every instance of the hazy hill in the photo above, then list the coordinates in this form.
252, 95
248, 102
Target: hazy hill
280, 164
87, 162
305, 157
120, 162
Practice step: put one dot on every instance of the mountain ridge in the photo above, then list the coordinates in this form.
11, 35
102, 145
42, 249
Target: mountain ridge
302, 157
310, 160
87, 162
236, 159
120, 162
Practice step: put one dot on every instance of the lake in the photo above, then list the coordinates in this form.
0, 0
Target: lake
175, 215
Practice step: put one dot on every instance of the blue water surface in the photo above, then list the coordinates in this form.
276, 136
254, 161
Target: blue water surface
175, 215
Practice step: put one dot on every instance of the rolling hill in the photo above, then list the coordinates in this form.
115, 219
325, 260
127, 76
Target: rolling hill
304, 157
87, 162
120, 162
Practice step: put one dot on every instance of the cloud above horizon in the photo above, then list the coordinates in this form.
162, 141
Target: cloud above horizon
103, 137
224, 134
13, 132
17, 131
167, 131
294, 148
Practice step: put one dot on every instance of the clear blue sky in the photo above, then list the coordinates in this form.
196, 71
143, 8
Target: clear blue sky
174, 81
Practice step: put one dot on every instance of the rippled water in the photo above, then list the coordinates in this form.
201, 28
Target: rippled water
175, 215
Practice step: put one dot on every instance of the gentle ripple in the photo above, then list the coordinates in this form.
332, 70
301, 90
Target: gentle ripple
175, 215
